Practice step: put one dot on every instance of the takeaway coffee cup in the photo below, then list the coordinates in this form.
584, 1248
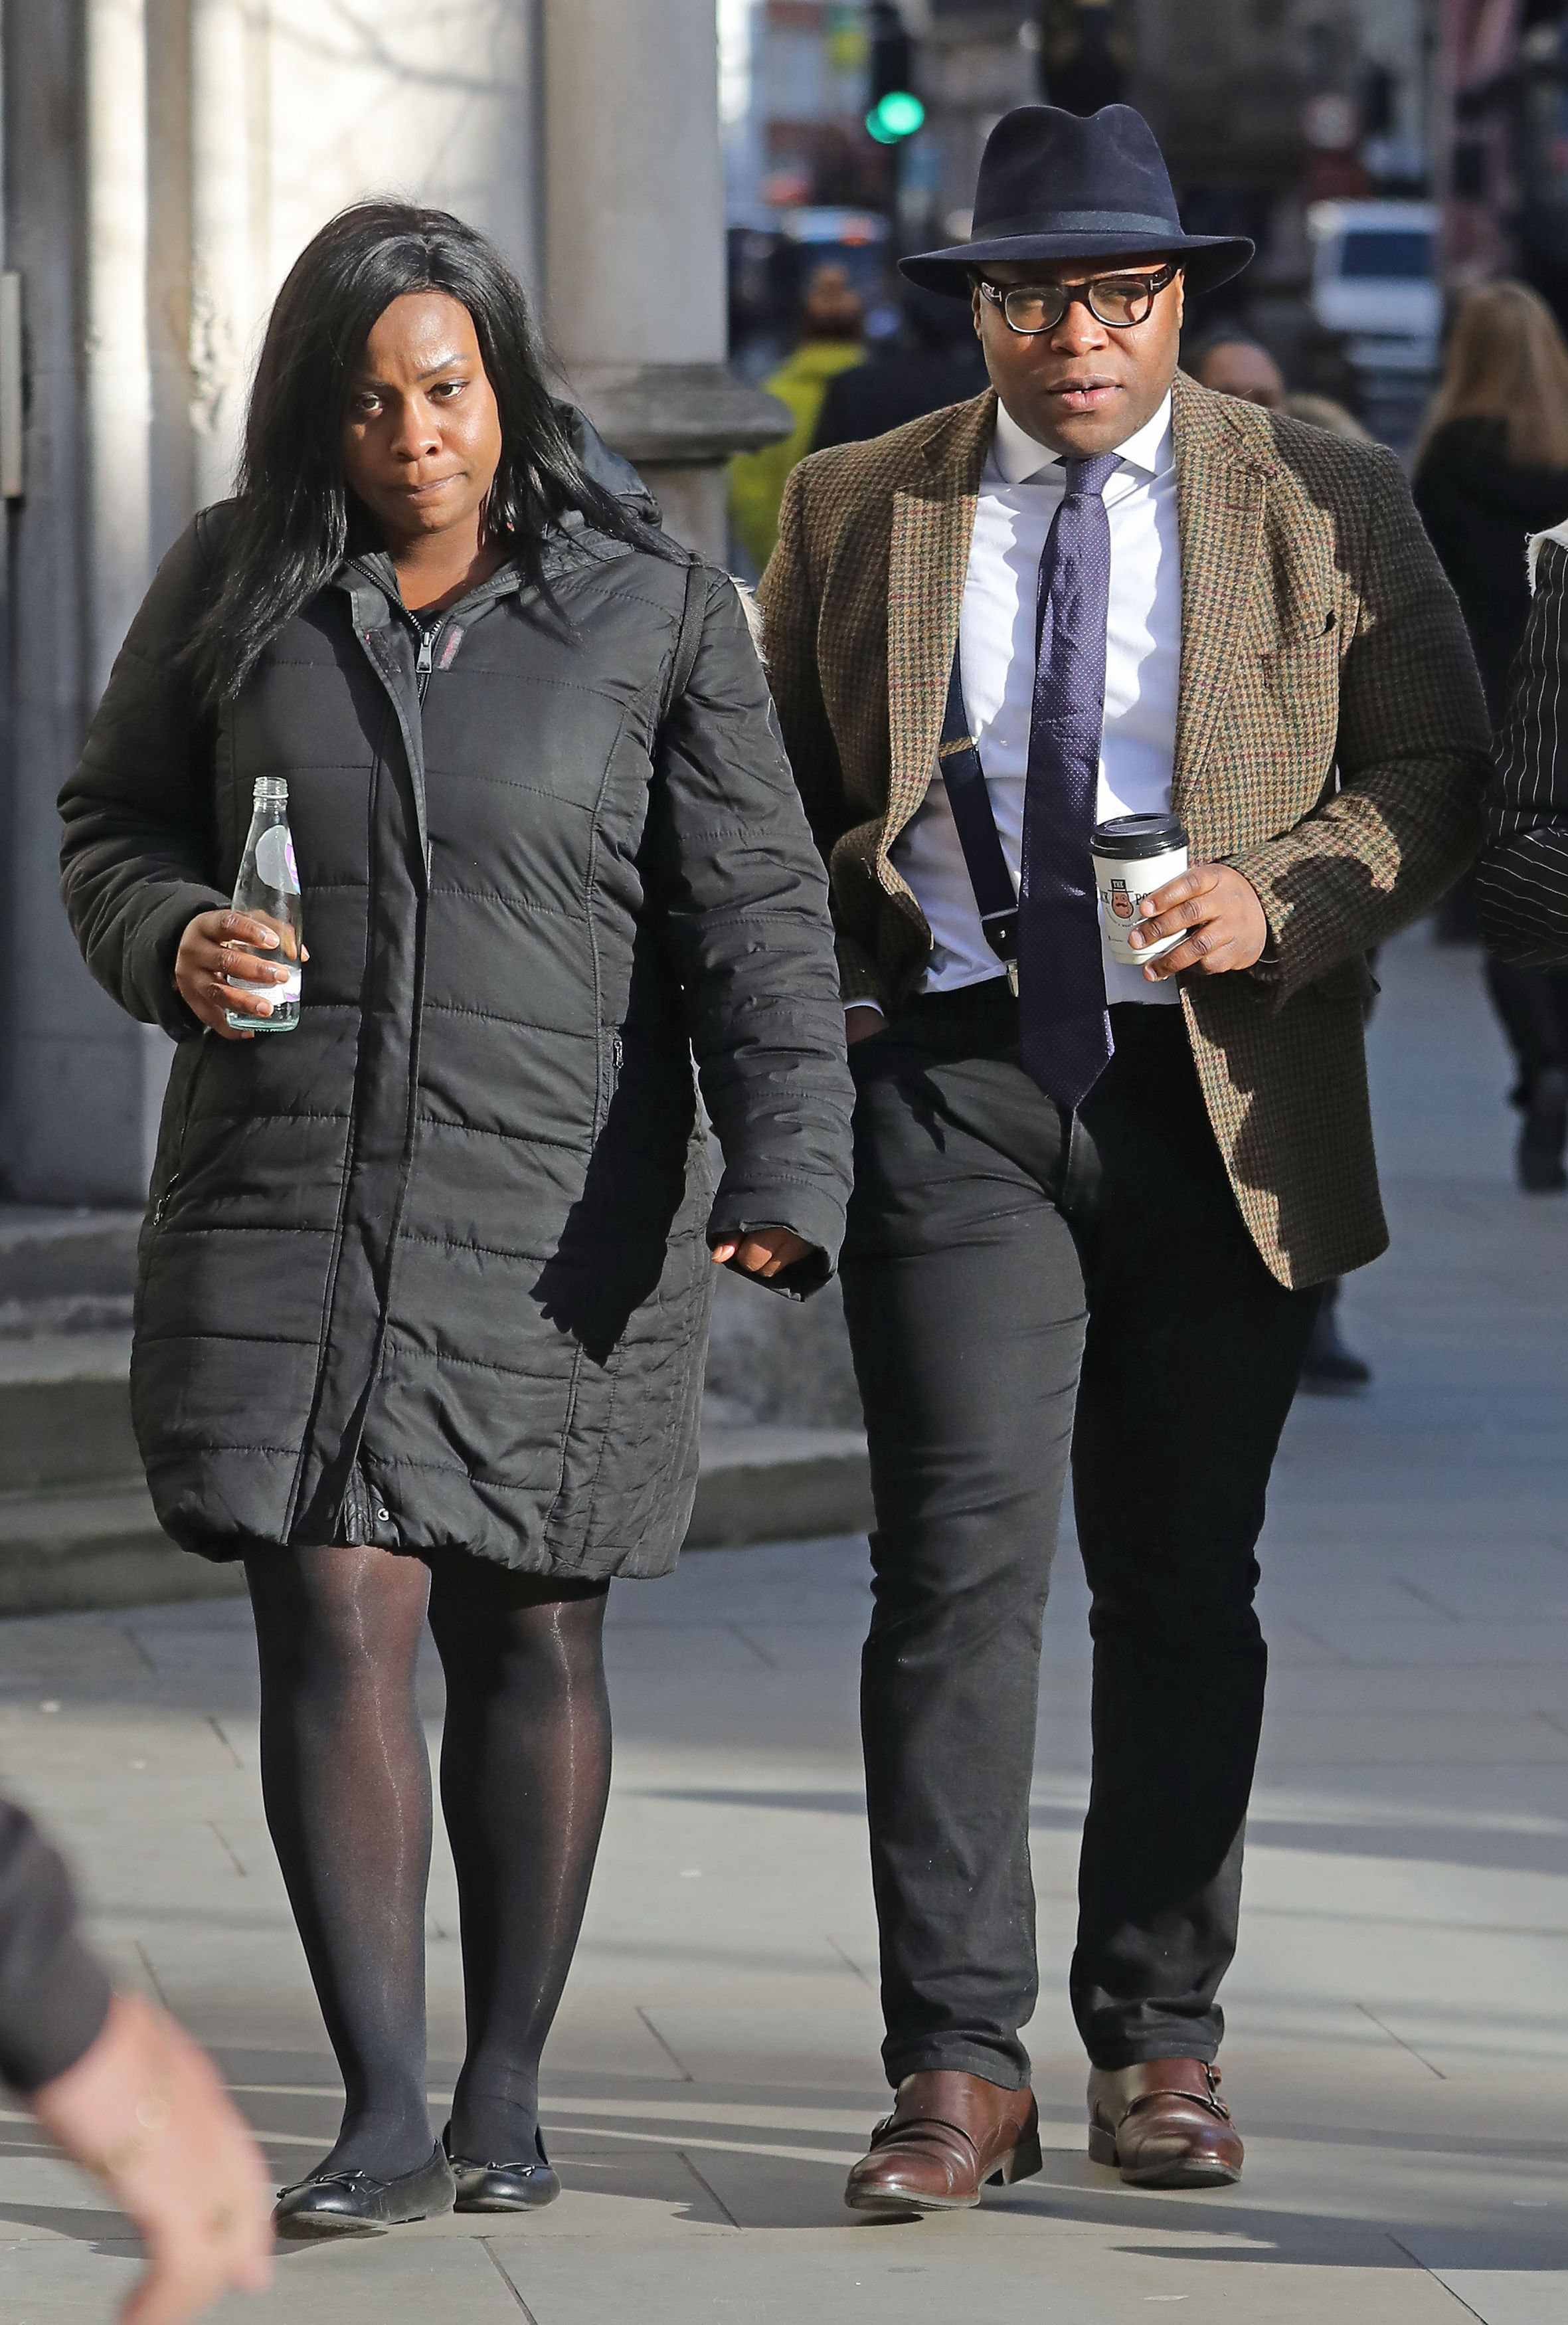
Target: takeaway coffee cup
1133, 855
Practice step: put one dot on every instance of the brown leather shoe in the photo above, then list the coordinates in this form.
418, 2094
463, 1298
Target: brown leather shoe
1163, 2125
949, 2136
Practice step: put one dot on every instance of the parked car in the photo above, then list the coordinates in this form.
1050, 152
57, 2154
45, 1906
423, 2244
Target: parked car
1374, 280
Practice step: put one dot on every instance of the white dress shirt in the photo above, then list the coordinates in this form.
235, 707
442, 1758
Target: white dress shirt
1020, 490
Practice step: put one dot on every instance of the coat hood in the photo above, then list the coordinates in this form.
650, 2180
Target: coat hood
608, 469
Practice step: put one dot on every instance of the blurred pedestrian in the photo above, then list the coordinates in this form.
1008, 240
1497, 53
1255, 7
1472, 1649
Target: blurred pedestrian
1491, 470
127, 2095
1230, 363
1073, 565
1326, 411
832, 324
424, 1290
935, 361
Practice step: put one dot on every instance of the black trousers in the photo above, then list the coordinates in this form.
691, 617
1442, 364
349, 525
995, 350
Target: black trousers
1023, 1288
1532, 1005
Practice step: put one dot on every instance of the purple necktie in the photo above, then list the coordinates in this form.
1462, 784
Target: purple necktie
1064, 1029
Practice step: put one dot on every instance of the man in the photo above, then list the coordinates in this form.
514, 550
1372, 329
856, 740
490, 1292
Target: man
932, 362
1521, 888
1162, 601
831, 341
1231, 364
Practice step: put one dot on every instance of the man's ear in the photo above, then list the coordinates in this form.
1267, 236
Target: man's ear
1181, 292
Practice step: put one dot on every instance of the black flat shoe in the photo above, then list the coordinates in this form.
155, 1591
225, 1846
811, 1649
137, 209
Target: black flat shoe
502, 2187
353, 2204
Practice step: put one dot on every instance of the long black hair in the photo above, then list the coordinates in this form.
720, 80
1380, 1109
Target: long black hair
293, 517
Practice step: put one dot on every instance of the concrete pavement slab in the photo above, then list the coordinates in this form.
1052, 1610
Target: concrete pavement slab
880, 2277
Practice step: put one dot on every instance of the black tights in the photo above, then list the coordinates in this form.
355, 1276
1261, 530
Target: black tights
525, 1771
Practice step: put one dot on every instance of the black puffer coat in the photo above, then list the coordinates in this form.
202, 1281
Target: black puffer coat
443, 1249
1480, 508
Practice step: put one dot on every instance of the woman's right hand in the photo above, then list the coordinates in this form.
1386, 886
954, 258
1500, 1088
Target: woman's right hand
214, 957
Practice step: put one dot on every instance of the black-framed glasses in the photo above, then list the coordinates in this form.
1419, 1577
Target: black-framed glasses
1117, 300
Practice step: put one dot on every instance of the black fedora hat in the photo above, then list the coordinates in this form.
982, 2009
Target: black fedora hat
1059, 185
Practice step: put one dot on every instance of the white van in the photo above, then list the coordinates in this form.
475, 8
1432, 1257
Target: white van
1374, 279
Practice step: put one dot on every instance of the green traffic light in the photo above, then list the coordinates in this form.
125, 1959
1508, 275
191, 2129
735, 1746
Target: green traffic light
896, 116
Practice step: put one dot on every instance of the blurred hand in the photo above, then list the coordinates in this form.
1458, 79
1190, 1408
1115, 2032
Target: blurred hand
143, 2109
214, 958
1219, 911
764, 1251
858, 1023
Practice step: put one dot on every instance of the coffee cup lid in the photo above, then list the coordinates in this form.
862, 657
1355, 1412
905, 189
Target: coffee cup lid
1128, 837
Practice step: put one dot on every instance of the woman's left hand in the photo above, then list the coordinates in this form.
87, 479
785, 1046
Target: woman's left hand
764, 1250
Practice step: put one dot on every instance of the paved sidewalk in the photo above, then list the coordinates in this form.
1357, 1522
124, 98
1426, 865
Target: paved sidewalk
1398, 2012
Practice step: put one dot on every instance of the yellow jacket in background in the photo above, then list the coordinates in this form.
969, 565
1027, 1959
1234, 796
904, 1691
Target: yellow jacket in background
757, 479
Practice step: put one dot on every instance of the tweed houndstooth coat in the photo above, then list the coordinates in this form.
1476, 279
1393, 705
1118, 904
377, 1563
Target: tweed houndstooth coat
1331, 743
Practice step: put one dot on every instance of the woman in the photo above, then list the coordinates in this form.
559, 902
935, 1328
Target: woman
1492, 468
425, 1282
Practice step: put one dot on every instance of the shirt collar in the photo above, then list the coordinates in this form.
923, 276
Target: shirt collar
1019, 458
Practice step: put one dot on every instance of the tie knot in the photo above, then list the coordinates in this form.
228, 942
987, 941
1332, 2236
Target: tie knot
1090, 475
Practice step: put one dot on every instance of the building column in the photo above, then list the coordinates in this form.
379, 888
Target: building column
118, 413
634, 248
220, 242
83, 1084
119, 374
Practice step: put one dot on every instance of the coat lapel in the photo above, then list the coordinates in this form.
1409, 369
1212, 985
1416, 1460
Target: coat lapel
1221, 488
928, 557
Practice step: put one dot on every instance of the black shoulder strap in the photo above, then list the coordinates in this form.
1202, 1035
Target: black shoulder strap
689, 638
959, 760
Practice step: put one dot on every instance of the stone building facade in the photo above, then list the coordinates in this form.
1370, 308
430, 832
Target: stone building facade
163, 162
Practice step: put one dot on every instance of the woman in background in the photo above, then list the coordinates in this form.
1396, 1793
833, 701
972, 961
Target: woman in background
1491, 470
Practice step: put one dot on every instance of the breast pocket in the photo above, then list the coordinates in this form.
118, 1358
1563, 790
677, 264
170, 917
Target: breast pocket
1296, 689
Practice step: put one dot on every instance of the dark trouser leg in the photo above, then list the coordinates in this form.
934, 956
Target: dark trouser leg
1532, 1005
965, 1301
525, 1773
346, 1782
1190, 1366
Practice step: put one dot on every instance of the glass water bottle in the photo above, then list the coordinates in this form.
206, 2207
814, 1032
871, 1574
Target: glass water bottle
267, 889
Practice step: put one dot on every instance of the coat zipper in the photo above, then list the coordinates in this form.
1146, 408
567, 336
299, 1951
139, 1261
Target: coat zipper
423, 662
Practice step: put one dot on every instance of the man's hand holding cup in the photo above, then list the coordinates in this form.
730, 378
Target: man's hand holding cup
1214, 911
1161, 914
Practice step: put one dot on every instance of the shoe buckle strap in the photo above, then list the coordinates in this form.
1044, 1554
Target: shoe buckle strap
349, 2179
1210, 2100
